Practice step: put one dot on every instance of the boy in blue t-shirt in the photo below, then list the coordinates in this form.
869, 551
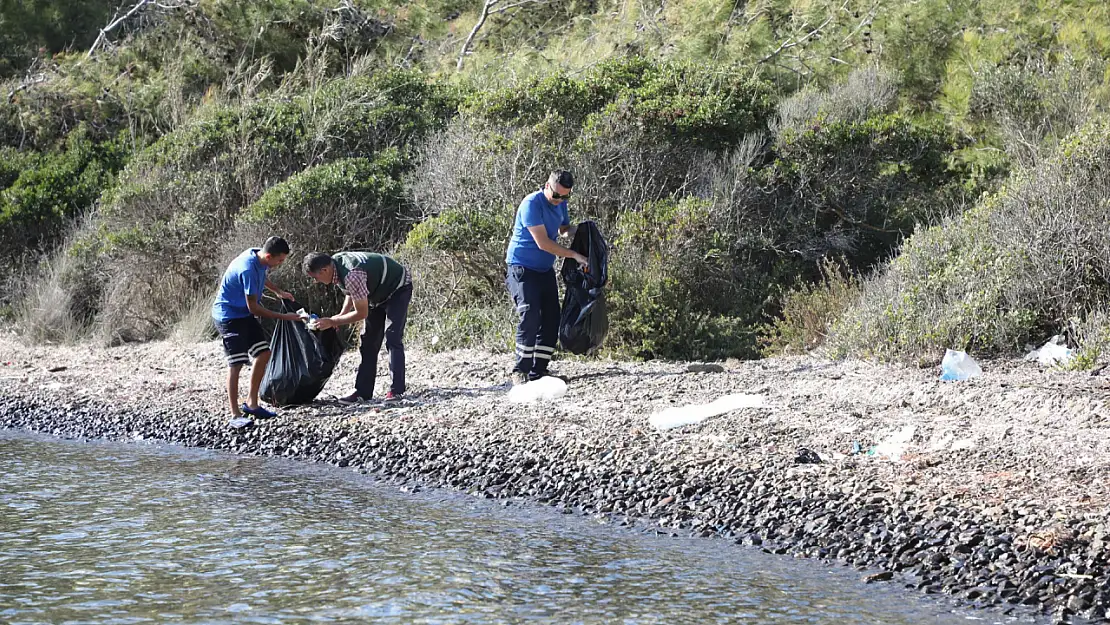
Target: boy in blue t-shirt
235, 313
540, 219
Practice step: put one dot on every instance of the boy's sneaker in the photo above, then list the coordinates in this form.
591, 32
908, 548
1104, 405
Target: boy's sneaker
351, 400
259, 412
392, 398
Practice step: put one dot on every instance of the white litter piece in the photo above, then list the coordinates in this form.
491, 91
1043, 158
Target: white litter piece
544, 389
963, 443
894, 445
1054, 352
949, 442
688, 415
958, 366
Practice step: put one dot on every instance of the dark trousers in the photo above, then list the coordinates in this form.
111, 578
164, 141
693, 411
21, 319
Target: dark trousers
536, 296
385, 321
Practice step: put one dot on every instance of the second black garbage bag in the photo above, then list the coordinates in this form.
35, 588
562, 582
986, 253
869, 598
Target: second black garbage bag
585, 319
301, 363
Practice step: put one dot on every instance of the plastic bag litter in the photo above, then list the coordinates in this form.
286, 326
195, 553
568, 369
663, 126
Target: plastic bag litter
1054, 352
584, 321
894, 445
546, 388
958, 366
689, 415
302, 360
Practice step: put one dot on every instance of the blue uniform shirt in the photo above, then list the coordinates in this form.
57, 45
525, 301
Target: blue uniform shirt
535, 210
246, 275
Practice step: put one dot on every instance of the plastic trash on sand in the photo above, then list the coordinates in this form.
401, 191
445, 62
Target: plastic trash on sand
689, 415
239, 422
958, 366
546, 388
1054, 352
894, 445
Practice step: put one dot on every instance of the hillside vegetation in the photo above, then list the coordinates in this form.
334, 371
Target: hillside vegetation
881, 179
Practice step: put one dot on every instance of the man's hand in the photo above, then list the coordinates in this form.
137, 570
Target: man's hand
325, 323
291, 317
583, 261
284, 294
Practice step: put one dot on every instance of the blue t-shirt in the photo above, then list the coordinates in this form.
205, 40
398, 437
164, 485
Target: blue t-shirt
246, 275
535, 210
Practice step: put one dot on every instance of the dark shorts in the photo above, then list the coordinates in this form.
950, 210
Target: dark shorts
243, 338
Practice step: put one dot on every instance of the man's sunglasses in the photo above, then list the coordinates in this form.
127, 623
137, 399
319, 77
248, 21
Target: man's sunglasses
556, 196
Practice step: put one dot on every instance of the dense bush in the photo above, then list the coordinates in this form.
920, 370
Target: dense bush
712, 215
187, 190
1015, 269
727, 151
31, 28
809, 310
41, 194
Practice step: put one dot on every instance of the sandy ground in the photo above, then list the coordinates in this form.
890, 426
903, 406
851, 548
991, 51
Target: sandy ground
1021, 435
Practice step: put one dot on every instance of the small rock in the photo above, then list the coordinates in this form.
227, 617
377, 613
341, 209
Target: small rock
806, 456
885, 576
704, 367
1077, 603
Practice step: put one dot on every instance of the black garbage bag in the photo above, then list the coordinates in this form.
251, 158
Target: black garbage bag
301, 362
585, 318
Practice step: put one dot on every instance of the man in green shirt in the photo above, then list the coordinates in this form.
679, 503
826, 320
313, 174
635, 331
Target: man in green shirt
378, 290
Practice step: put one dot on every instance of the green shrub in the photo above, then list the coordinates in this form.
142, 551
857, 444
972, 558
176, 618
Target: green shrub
655, 317
278, 157
50, 25
674, 293
808, 311
1012, 271
351, 203
50, 190
393, 108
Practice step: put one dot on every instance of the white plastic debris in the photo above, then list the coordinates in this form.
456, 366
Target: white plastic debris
1054, 352
894, 445
958, 366
544, 389
949, 442
688, 415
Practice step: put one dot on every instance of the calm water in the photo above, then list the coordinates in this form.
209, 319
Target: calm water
117, 533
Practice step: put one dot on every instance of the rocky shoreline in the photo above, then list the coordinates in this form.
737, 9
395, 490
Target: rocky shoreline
999, 497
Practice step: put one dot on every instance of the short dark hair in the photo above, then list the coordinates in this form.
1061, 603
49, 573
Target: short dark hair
315, 261
275, 246
562, 177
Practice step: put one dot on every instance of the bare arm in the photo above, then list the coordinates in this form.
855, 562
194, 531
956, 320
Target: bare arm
551, 247
277, 290
348, 306
258, 310
361, 309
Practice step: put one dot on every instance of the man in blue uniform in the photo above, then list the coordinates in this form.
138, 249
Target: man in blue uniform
235, 313
540, 219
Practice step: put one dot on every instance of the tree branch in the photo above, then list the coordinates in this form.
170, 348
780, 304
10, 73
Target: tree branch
110, 27
791, 42
516, 5
474, 32
25, 84
166, 6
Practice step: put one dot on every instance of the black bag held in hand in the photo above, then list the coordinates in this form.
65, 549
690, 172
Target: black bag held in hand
301, 362
585, 319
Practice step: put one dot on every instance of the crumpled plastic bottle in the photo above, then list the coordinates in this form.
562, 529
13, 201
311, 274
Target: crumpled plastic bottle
308, 318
